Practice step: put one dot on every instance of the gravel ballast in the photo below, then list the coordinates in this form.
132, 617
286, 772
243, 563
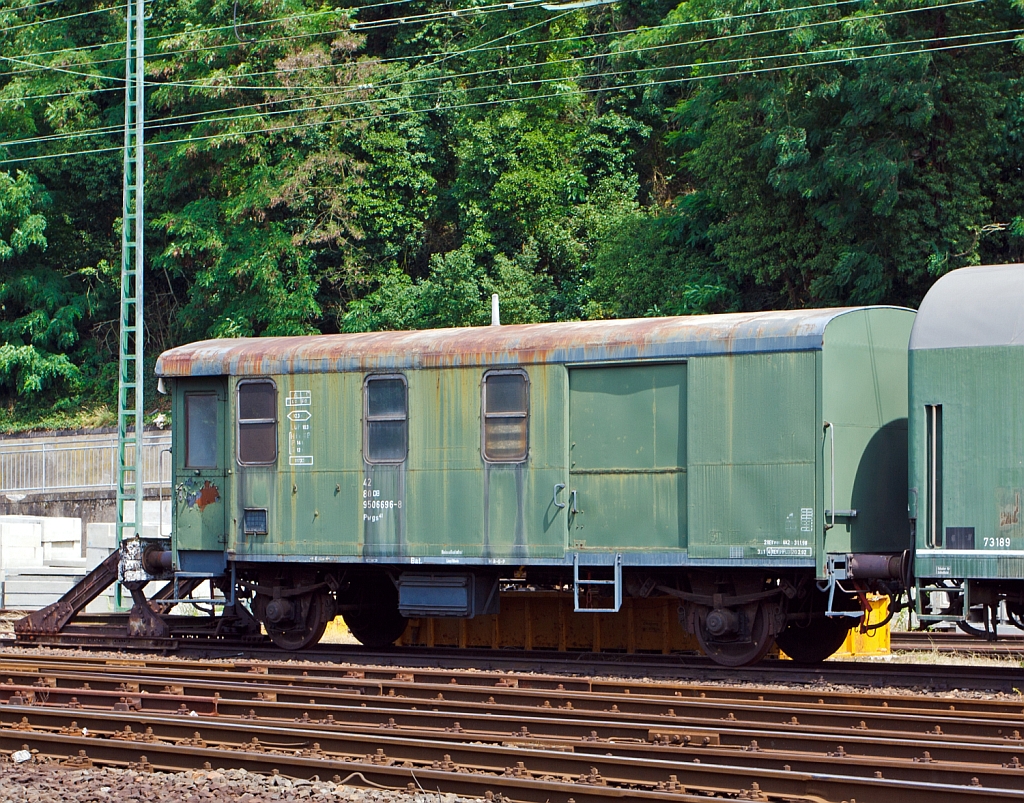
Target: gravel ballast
38, 782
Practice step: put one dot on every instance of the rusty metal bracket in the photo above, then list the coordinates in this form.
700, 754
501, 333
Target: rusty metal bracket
143, 621
51, 619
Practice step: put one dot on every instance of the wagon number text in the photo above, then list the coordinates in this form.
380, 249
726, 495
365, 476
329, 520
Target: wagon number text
371, 501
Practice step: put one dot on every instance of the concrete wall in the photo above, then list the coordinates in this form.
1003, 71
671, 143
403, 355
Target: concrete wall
42, 557
58, 507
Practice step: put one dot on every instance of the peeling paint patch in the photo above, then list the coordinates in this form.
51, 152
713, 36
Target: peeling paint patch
194, 495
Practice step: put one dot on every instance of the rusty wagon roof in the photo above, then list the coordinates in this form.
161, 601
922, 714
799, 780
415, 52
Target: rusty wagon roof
572, 342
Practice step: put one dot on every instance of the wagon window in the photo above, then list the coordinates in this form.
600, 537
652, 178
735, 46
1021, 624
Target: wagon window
385, 419
257, 422
506, 407
200, 430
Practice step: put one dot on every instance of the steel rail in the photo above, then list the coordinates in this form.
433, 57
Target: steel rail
543, 666
196, 642
530, 723
255, 698
829, 716
957, 763
931, 641
293, 751
297, 682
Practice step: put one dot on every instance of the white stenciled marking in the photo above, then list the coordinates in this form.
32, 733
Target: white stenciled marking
300, 434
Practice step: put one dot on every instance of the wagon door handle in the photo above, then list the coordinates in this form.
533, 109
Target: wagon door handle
573, 509
832, 468
554, 497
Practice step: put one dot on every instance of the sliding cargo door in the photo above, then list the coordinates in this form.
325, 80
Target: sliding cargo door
627, 457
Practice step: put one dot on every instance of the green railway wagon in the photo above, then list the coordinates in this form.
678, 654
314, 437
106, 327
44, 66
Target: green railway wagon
967, 447
720, 460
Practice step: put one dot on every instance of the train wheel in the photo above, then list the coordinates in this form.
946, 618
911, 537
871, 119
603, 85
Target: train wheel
736, 646
814, 641
294, 623
818, 636
375, 620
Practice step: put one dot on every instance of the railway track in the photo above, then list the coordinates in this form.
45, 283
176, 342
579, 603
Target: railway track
528, 737
107, 634
948, 642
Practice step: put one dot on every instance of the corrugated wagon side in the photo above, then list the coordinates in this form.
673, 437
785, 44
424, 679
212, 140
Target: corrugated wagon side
967, 447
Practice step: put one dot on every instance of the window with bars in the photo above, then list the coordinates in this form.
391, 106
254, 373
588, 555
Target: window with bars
257, 422
506, 409
385, 419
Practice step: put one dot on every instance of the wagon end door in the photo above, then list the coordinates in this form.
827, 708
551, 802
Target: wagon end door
200, 469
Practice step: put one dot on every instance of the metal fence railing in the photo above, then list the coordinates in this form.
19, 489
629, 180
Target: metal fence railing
60, 465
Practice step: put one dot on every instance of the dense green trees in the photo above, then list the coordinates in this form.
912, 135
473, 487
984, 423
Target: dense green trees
313, 169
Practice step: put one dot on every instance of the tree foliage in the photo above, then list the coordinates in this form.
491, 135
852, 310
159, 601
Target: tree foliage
316, 169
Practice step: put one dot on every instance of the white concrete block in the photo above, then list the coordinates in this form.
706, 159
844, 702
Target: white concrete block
54, 588
21, 541
94, 556
16, 557
63, 553
154, 513
101, 535
59, 528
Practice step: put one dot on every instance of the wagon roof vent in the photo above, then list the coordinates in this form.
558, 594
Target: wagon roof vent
495, 310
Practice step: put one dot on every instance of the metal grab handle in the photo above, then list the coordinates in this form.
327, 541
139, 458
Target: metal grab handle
554, 497
832, 462
574, 510
160, 495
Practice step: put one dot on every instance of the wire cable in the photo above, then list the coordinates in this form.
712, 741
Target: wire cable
164, 54
639, 85
579, 90
159, 124
588, 57
564, 39
505, 101
32, 5
176, 120
470, 12
326, 92
10, 28
179, 118
559, 40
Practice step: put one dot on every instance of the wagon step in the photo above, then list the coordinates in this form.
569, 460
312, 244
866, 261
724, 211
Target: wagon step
585, 587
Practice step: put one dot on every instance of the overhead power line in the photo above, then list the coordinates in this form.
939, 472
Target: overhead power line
164, 54
402, 81
564, 39
525, 99
464, 12
449, 107
48, 20
638, 85
326, 92
32, 5
557, 40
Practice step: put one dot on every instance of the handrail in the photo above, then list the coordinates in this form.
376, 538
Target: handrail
832, 471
